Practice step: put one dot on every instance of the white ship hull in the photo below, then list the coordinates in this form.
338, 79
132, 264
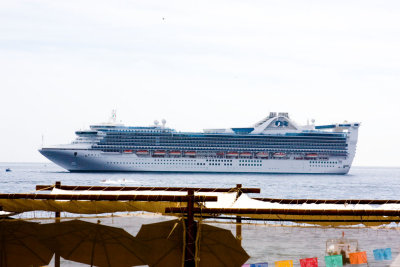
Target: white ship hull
89, 160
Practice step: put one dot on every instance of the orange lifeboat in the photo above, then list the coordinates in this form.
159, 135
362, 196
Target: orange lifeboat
142, 152
262, 155
312, 155
159, 153
245, 154
279, 155
190, 153
128, 151
232, 154
174, 153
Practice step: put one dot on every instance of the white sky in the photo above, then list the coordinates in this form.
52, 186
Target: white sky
208, 64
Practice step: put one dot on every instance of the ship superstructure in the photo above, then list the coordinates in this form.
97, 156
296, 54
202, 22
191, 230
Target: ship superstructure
273, 145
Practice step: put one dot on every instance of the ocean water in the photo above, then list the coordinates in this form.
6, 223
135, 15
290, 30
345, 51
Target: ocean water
263, 242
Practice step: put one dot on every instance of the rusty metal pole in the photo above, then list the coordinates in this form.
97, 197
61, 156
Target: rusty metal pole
58, 217
190, 249
239, 218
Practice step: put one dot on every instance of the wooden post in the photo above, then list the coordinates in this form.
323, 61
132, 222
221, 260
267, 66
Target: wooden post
239, 218
58, 185
190, 249
58, 217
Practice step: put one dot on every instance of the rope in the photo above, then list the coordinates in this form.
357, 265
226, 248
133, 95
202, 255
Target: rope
197, 244
184, 243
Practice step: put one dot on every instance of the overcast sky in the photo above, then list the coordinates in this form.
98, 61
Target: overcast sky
198, 64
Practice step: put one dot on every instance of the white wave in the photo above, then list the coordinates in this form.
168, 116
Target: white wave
120, 181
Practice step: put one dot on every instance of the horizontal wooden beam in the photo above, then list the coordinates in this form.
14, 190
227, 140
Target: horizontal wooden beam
144, 188
329, 201
288, 212
108, 197
233, 218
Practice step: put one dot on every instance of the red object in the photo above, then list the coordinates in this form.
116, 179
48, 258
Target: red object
309, 262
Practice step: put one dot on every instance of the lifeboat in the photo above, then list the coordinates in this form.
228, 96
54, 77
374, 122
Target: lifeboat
174, 153
312, 155
190, 153
262, 155
279, 155
142, 152
232, 154
159, 153
220, 153
128, 151
245, 154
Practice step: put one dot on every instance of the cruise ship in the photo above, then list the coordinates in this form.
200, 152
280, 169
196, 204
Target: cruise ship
276, 144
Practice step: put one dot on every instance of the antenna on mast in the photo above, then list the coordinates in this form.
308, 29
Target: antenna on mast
113, 117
